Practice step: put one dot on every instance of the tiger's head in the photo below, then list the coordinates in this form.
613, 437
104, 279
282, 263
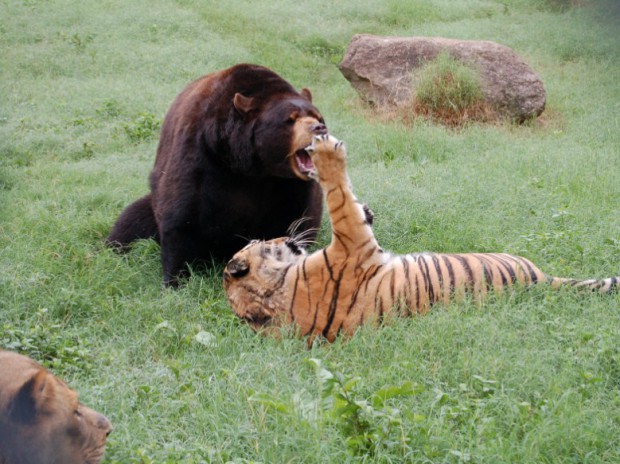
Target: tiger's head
254, 279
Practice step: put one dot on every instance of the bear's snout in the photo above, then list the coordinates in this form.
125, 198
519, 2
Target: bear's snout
319, 129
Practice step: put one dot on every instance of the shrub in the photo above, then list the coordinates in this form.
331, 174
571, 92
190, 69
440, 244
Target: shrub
48, 342
142, 128
450, 92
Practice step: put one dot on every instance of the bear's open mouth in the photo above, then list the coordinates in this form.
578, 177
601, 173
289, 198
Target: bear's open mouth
304, 163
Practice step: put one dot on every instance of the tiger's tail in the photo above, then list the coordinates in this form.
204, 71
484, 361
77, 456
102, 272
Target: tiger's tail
608, 285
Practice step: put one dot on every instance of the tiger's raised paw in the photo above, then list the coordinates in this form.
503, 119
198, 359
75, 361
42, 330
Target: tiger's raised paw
328, 155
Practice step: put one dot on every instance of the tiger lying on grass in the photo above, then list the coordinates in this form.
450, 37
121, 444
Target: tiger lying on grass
353, 281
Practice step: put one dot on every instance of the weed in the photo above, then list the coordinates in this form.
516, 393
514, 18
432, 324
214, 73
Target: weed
321, 48
142, 128
77, 40
369, 425
48, 343
449, 91
109, 109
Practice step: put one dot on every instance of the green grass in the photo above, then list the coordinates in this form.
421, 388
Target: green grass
530, 377
446, 84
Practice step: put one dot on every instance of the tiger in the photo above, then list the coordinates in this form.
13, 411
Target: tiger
353, 281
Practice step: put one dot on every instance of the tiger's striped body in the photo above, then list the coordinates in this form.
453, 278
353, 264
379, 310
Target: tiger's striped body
353, 281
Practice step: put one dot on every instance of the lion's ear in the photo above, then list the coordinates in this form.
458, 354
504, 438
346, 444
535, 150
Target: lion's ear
306, 94
244, 104
28, 399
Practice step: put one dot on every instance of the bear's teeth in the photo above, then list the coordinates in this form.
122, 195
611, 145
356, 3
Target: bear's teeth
304, 162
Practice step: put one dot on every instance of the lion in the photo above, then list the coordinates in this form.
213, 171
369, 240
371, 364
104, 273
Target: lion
41, 419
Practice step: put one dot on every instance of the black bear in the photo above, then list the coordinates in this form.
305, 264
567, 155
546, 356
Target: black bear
230, 167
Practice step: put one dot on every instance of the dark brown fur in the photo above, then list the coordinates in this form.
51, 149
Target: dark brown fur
226, 169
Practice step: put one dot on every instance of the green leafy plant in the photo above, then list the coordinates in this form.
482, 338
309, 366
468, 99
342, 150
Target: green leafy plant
370, 424
449, 91
48, 343
142, 128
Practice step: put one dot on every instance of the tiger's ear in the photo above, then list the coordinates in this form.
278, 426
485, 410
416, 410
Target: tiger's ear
294, 246
306, 94
237, 267
244, 104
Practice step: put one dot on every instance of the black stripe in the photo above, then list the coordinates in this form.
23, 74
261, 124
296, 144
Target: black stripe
497, 266
503, 276
303, 268
525, 262
378, 297
448, 264
333, 304
353, 299
380, 301
439, 274
333, 209
327, 265
278, 284
290, 309
487, 271
428, 285
407, 287
362, 258
368, 276
392, 282
339, 331
467, 268
343, 217
316, 313
340, 239
417, 293
509, 267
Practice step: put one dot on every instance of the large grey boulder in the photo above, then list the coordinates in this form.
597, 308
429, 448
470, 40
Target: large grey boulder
382, 70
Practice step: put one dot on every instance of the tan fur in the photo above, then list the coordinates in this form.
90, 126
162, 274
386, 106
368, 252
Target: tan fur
353, 281
41, 419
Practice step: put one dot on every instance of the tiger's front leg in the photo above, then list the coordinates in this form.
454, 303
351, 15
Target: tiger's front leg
350, 221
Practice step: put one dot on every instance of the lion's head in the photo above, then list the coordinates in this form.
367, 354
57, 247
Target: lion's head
41, 419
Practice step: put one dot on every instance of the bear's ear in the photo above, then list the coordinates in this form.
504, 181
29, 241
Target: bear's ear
244, 104
306, 94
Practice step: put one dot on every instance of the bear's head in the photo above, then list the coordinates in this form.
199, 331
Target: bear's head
281, 126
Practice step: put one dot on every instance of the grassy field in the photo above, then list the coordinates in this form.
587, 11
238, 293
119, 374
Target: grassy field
530, 377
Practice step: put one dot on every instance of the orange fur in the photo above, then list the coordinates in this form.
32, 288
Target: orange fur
353, 281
